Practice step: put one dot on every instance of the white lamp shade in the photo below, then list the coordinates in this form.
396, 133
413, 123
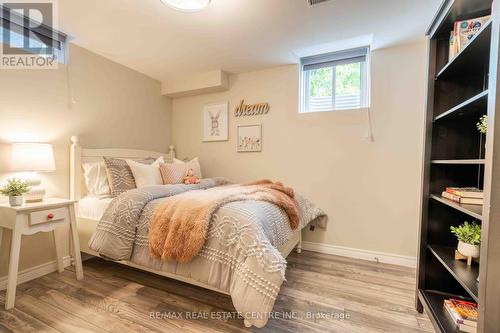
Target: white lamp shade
28, 156
186, 5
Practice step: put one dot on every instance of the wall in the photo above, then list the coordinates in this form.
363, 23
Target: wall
104, 103
370, 190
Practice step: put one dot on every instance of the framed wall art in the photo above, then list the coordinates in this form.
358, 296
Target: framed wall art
249, 138
215, 122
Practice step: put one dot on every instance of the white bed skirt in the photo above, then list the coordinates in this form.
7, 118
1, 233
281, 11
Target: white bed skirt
87, 226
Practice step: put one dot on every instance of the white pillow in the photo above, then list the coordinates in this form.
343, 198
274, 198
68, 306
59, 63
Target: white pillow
96, 178
146, 174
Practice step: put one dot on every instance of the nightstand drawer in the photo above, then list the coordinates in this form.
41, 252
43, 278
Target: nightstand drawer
48, 215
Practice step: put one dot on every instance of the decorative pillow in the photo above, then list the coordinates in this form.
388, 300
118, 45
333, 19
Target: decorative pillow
120, 177
174, 173
146, 174
96, 179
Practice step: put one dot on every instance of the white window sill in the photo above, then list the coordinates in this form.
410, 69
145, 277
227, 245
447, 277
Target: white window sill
335, 110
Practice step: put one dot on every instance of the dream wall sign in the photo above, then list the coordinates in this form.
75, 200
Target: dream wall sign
251, 109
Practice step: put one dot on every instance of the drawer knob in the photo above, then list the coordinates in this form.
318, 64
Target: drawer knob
50, 216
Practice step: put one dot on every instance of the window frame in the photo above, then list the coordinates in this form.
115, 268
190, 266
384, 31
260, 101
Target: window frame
338, 59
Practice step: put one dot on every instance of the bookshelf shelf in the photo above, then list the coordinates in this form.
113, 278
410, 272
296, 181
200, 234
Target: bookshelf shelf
433, 303
478, 103
465, 275
472, 161
474, 57
474, 211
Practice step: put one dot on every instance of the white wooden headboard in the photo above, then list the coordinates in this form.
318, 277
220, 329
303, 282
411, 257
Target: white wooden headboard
79, 155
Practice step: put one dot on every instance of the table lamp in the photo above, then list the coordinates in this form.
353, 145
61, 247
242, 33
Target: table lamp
33, 157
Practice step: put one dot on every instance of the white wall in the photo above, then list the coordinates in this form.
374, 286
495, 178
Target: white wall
370, 190
114, 106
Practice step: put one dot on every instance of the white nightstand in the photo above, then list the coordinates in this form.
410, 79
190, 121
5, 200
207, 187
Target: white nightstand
30, 219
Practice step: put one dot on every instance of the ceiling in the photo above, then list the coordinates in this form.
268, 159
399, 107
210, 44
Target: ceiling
233, 35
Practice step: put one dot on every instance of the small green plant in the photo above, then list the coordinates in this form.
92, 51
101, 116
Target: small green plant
482, 125
469, 233
15, 187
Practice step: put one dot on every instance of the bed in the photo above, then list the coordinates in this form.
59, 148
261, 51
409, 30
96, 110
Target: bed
90, 211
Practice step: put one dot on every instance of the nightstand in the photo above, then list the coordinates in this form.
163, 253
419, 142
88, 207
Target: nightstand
30, 219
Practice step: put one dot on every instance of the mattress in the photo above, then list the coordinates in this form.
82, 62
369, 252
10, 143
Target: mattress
93, 207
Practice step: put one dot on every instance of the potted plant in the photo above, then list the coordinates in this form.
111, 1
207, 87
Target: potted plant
15, 189
469, 239
482, 125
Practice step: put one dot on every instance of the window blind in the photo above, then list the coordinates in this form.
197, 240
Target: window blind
334, 58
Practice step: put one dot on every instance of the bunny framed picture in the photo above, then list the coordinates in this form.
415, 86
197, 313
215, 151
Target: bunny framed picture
215, 122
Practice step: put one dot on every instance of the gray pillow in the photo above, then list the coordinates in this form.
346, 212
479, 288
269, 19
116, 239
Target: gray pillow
120, 177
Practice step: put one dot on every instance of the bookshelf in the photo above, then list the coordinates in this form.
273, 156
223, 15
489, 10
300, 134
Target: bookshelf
460, 91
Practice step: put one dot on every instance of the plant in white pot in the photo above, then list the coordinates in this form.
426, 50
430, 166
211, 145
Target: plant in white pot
469, 239
482, 125
15, 189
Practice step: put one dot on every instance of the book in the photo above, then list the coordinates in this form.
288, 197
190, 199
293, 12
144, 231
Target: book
464, 325
461, 200
467, 310
453, 46
468, 329
465, 30
457, 319
466, 192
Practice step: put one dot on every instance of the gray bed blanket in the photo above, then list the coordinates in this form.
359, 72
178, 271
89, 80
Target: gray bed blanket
240, 255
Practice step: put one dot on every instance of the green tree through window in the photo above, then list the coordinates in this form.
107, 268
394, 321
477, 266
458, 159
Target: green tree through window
348, 79
321, 82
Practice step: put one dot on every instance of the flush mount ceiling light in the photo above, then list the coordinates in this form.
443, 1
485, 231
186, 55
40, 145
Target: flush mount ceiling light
186, 5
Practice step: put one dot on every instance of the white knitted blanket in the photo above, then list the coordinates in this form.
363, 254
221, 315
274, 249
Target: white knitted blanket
240, 255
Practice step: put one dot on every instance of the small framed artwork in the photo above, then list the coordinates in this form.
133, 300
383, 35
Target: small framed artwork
249, 138
215, 122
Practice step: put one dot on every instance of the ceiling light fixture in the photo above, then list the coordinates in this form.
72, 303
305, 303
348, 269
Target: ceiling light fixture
186, 5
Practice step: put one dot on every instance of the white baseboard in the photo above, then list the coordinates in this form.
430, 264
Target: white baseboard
35, 272
382, 257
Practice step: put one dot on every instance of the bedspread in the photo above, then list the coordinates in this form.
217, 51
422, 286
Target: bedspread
240, 255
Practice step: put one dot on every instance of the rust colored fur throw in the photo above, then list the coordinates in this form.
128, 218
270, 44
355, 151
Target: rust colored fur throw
179, 227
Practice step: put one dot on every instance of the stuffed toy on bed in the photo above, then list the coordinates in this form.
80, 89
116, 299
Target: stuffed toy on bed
191, 178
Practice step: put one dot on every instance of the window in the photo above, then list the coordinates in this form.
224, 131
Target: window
335, 81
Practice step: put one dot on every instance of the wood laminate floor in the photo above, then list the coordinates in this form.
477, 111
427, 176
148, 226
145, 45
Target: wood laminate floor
320, 288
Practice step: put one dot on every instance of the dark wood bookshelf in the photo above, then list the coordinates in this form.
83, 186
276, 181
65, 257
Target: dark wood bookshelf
464, 274
469, 59
451, 11
433, 304
472, 161
475, 104
460, 91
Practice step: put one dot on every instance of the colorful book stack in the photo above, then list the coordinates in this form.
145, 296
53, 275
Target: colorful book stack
464, 195
463, 32
463, 314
